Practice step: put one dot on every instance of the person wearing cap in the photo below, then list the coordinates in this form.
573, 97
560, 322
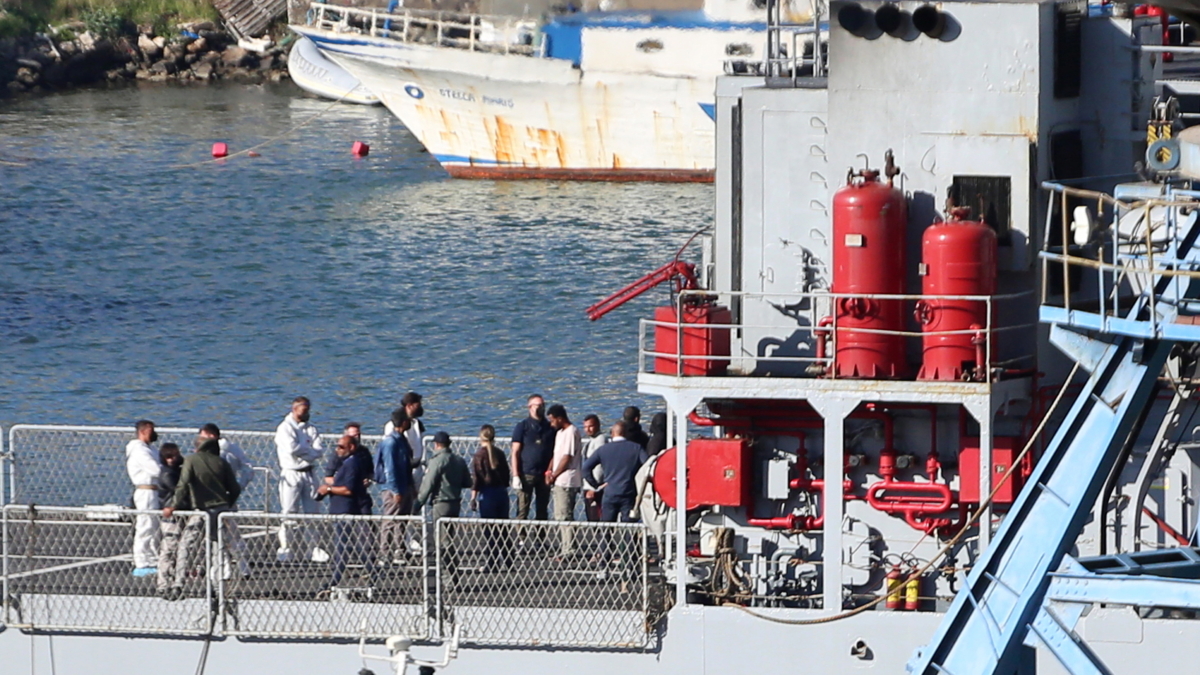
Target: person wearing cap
446, 476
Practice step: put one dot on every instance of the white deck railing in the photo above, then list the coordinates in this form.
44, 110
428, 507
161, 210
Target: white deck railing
808, 347
457, 30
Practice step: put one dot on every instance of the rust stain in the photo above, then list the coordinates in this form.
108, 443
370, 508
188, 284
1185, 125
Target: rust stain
547, 140
503, 141
613, 175
1027, 129
616, 161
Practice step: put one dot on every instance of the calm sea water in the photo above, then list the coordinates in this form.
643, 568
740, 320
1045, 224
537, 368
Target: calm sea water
136, 283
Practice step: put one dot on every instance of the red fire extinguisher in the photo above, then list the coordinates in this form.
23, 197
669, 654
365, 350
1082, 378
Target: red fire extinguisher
894, 583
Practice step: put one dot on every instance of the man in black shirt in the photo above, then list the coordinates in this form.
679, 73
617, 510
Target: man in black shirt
532, 449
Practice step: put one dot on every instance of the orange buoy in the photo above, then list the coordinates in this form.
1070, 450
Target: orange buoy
360, 149
220, 150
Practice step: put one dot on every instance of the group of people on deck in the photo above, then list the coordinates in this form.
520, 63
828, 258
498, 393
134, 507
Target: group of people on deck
551, 462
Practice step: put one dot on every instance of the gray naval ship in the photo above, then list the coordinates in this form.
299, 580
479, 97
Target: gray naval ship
932, 386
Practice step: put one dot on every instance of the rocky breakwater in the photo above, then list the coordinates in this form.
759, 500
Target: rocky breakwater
193, 53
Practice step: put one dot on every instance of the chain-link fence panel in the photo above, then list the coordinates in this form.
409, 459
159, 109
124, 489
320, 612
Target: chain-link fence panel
59, 465
553, 584
318, 577
71, 570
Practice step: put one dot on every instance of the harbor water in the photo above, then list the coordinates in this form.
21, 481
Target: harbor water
139, 279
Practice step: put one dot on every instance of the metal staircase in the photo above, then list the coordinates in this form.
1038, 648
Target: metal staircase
1023, 591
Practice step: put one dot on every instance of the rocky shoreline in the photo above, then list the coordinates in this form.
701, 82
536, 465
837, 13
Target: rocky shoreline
193, 53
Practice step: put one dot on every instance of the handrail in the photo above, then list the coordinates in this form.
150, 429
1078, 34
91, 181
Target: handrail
821, 318
1137, 255
459, 30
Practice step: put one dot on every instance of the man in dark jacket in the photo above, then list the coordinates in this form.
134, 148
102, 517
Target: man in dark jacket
446, 476
207, 483
620, 458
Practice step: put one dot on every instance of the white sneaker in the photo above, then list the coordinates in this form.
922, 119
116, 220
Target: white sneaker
320, 555
415, 547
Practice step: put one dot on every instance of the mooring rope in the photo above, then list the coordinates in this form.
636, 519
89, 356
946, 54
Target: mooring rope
285, 134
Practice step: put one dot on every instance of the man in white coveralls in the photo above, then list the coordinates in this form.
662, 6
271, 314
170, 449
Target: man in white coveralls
141, 463
298, 445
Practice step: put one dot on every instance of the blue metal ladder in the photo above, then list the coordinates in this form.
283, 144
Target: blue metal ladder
1004, 607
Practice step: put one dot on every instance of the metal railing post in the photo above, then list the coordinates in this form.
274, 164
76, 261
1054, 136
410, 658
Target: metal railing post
1066, 244
645, 573
439, 598
209, 565
220, 618
4, 563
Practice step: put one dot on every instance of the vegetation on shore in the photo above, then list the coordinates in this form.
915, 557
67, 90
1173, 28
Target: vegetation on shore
107, 18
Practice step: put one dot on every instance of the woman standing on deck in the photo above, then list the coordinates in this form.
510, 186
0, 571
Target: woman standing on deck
490, 468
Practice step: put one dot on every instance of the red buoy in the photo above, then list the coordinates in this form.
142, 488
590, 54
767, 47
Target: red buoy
360, 149
220, 150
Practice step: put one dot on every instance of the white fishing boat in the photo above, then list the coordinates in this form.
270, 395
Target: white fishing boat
593, 95
314, 73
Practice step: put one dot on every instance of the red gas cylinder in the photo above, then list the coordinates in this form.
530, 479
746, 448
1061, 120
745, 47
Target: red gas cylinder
705, 335
959, 258
869, 222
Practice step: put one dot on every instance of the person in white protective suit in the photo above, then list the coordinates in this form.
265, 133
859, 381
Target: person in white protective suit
141, 463
298, 445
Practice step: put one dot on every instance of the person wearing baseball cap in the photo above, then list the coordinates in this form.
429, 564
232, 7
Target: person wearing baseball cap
446, 476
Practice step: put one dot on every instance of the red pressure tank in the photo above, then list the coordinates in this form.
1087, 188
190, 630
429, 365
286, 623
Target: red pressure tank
959, 258
869, 223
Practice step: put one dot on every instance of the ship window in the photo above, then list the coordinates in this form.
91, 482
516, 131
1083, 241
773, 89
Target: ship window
650, 46
990, 200
739, 49
1068, 51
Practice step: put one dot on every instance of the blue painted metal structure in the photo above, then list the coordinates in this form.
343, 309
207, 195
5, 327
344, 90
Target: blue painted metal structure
1002, 609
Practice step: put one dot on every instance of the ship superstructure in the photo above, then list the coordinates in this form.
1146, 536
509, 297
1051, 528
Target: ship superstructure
931, 387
